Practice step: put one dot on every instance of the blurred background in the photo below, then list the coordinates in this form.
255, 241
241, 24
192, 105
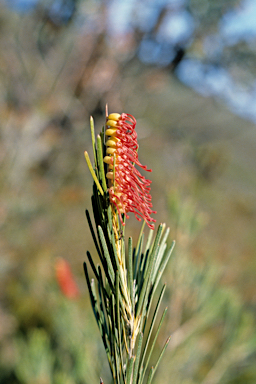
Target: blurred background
186, 69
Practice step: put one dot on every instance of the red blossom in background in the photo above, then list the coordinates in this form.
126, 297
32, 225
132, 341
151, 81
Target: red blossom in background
65, 279
129, 191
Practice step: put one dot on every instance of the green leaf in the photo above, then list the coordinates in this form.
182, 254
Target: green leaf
161, 252
93, 233
129, 370
143, 294
138, 251
164, 263
110, 270
92, 265
93, 173
150, 376
93, 138
161, 355
152, 346
114, 337
103, 310
118, 324
152, 325
101, 163
137, 358
93, 297
130, 272
149, 241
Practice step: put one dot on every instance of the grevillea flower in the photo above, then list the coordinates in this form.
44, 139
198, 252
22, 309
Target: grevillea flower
65, 279
129, 191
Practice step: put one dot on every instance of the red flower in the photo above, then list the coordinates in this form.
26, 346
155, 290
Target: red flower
65, 279
129, 191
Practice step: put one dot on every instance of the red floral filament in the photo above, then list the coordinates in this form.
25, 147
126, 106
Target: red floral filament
129, 191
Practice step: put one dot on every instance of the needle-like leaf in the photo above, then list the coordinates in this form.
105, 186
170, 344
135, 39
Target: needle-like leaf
92, 172
152, 346
100, 163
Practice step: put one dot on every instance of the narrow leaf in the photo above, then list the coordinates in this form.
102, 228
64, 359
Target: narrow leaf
153, 343
92, 232
138, 251
130, 271
149, 241
152, 325
95, 308
146, 283
93, 138
161, 355
118, 323
129, 370
164, 263
92, 265
114, 338
92, 172
137, 358
150, 376
160, 253
101, 163
106, 254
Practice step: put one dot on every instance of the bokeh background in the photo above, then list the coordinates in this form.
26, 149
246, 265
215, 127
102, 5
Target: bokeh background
186, 69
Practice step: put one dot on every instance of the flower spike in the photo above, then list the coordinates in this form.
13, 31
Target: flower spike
129, 191
124, 285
